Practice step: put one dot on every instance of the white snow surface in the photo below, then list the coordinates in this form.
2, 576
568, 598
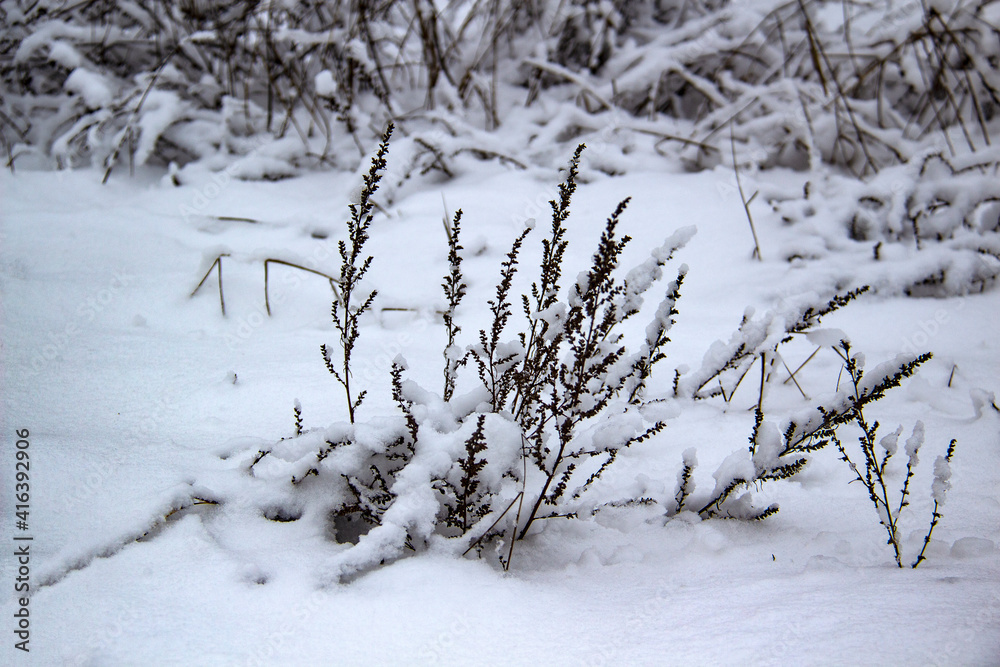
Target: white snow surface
137, 394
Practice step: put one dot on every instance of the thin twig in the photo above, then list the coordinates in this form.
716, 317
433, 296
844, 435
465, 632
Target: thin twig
791, 376
763, 372
233, 218
517, 520
802, 365
135, 113
746, 202
573, 77
493, 525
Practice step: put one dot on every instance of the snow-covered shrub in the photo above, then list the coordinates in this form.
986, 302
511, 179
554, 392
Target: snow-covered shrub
589, 32
933, 223
533, 412
777, 450
775, 73
291, 85
759, 338
274, 86
552, 404
174, 82
878, 453
567, 379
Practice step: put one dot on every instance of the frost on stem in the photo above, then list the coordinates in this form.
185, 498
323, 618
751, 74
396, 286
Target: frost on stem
913, 444
637, 282
942, 475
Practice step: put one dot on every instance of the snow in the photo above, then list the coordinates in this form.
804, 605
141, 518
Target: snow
139, 397
981, 399
768, 446
325, 84
161, 109
50, 33
827, 337
64, 54
94, 89
890, 442
941, 485
642, 277
914, 442
737, 465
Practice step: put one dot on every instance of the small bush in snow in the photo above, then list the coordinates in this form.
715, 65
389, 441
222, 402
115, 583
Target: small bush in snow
929, 227
777, 451
555, 403
878, 453
781, 452
557, 394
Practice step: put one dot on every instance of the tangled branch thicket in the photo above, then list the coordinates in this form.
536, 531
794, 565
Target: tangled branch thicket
308, 83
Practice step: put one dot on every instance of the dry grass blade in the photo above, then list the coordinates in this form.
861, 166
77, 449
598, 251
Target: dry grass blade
267, 299
746, 202
217, 264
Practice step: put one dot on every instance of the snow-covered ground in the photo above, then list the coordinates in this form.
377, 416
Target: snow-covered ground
131, 390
